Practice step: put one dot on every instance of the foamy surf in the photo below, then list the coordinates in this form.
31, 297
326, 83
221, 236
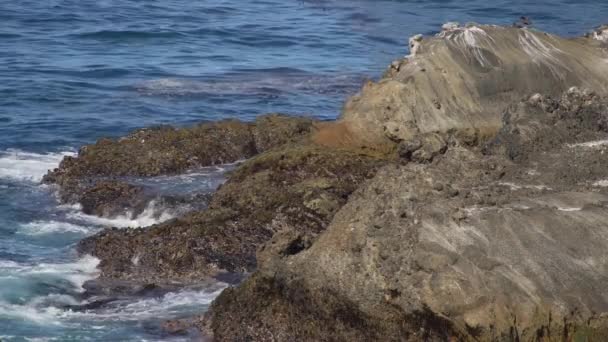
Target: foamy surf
27, 166
37, 228
164, 307
110, 320
40, 316
76, 273
35, 293
150, 216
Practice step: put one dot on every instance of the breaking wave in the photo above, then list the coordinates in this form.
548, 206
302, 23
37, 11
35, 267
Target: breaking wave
152, 214
52, 227
27, 166
75, 273
166, 306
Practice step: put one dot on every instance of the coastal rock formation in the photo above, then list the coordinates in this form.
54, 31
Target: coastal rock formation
462, 197
90, 179
110, 198
300, 187
471, 246
464, 77
166, 150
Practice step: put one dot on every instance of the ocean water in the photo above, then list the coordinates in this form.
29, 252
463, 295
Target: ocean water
72, 71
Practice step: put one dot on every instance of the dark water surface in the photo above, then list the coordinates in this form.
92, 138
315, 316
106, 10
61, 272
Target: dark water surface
73, 71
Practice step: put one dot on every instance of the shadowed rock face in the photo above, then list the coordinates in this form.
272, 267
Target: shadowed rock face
469, 247
464, 78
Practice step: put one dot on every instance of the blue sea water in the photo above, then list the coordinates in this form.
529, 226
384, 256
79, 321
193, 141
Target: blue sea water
72, 71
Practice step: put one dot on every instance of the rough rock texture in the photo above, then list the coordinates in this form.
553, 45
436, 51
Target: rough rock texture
301, 187
440, 206
167, 150
471, 246
90, 178
464, 78
112, 198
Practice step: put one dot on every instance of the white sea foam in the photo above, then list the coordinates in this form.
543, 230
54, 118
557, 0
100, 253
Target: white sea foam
41, 310
166, 306
171, 305
77, 272
51, 227
148, 217
27, 166
53, 299
42, 316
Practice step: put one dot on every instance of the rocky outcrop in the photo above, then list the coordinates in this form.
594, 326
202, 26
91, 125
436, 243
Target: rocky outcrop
166, 150
440, 206
112, 198
464, 77
471, 246
300, 187
97, 177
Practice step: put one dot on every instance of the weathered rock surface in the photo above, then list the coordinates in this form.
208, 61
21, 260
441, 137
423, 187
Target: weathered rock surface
464, 78
90, 178
499, 246
167, 150
301, 187
440, 206
112, 198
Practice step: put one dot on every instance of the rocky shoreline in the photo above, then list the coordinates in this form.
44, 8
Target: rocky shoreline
461, 197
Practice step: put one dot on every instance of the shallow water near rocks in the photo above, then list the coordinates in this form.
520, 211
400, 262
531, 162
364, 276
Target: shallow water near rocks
41, 277
74, 71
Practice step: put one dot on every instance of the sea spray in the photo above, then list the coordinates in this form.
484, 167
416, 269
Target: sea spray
19, 165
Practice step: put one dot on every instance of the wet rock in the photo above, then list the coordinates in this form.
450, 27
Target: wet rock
176, 327
167, 150
89, 178
112, 198
162, 150
299, 187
